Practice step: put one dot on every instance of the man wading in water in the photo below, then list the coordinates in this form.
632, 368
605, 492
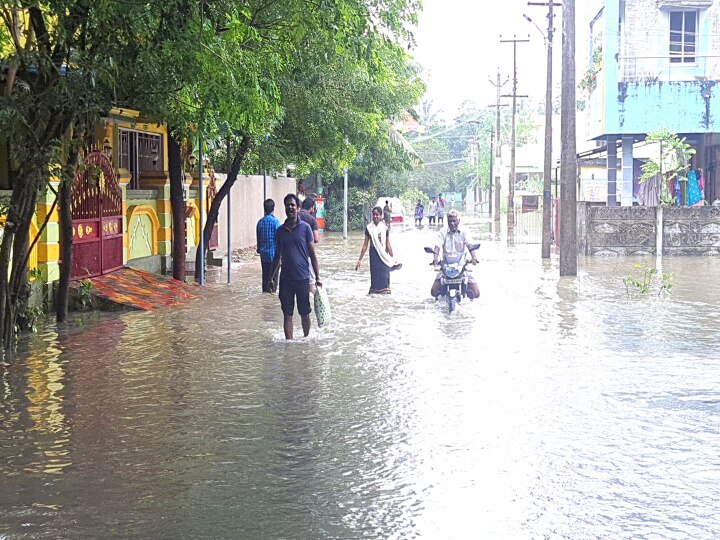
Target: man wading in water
294, 244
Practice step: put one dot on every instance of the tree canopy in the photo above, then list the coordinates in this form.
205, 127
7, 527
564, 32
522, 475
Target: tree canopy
318, 84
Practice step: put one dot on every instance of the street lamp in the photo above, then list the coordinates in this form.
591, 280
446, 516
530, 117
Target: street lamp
528, 19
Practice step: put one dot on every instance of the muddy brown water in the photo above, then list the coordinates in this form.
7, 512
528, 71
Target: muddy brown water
548, 408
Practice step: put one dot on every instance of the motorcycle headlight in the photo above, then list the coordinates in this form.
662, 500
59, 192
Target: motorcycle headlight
452, 272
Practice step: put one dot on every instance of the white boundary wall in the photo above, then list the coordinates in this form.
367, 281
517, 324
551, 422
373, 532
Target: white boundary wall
247, 207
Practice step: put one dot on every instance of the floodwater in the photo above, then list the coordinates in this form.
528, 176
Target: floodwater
549, 408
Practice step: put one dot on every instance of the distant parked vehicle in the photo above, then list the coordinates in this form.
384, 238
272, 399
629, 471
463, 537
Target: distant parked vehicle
397, 216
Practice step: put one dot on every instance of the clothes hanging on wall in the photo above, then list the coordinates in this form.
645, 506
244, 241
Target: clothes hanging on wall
694, 192
710, 191
678, 192
648, 192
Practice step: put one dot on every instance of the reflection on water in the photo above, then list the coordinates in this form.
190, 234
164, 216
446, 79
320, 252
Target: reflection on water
550, 407
45, 379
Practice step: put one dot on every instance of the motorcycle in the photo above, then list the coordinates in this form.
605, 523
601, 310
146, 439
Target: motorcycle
453, 279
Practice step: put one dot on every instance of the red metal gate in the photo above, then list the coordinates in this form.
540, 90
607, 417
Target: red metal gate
97, 219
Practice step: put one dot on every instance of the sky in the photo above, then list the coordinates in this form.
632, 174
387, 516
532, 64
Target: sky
458, 45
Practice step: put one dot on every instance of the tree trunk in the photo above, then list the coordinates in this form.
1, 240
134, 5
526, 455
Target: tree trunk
63, 290
5, 251
22, 207
212, 216
177, 202
66, 236
19, 289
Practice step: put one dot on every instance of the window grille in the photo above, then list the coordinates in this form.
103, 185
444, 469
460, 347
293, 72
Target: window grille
140, 152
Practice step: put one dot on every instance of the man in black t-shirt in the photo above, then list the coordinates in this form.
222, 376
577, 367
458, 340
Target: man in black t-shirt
307, 214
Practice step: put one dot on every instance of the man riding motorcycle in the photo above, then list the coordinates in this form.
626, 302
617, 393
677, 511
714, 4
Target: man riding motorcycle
453, 243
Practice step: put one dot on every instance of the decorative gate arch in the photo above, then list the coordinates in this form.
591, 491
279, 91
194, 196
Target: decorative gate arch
96, 204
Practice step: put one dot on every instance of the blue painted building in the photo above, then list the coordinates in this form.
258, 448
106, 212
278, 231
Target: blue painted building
654, 64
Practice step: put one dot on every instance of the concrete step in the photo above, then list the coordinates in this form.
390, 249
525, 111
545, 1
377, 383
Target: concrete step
216, 258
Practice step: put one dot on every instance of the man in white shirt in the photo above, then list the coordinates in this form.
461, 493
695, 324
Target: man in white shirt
432, 211
452, 242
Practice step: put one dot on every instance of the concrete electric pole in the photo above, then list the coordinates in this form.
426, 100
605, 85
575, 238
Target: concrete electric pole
547, 169
568, 152
493, 177
511, 189
490, 176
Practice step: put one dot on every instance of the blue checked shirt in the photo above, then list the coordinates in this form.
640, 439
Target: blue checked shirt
265, 231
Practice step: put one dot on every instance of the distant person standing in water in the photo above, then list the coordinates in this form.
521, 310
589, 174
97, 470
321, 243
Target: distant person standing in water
301, 195
419, 212
295, 245
307, 214
432, 211
265, 237
387, 214
441, 210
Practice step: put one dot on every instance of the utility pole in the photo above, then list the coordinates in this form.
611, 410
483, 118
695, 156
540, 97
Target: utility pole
498, 148
490, 176
514, 95
476, 146
547, 169
345, 199
477, 189
345, 203
200, 278
568, 153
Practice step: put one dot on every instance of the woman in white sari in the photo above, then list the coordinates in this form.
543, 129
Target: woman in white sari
377, 236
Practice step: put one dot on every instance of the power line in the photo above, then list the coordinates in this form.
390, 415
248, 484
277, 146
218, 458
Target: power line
443, 162
446, 130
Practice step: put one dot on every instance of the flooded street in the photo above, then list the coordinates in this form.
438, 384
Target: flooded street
548, 408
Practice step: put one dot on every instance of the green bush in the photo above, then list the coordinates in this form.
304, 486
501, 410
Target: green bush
360, 202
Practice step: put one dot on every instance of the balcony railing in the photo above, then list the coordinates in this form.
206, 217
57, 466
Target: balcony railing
651, 69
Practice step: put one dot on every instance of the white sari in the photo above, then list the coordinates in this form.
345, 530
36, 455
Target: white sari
378, 236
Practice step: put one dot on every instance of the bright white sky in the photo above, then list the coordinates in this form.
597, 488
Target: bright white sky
458, 44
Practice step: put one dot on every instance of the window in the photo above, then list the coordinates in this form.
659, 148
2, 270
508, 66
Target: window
140, 152
683, 36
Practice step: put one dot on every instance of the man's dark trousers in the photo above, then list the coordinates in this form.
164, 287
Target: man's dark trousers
269, 283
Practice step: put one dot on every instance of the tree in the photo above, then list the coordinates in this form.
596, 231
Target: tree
51, 72
673, 161
336, 107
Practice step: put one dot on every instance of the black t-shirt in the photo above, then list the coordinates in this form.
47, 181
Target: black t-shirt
293, 248
308, 218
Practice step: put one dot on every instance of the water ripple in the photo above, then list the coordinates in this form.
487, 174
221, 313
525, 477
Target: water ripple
548, 408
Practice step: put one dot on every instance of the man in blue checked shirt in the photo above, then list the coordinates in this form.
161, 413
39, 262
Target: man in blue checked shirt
265, 232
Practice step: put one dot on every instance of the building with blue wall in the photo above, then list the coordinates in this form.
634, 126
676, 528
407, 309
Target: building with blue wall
654, 64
